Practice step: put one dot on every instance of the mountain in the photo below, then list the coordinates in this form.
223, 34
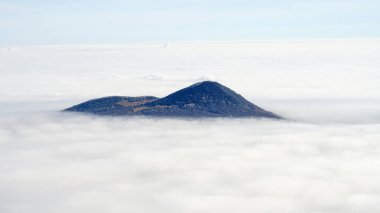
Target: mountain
203, 99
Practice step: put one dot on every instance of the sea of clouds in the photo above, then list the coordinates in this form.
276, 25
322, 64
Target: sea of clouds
324, 158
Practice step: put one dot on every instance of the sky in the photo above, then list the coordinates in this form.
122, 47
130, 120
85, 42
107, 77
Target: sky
116, 21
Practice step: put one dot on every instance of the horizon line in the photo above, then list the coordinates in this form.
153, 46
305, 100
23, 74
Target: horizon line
168, 42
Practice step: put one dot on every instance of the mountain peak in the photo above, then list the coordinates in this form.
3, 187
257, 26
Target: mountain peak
205, 84
199, 92
202, 99
211, 86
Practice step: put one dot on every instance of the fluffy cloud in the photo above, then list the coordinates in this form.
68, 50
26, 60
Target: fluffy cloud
74, 163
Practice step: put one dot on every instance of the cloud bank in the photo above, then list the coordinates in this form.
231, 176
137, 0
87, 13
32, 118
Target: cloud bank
325, 158
74, 163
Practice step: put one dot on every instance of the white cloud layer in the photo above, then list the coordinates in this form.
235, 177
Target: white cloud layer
73, 163
325, 158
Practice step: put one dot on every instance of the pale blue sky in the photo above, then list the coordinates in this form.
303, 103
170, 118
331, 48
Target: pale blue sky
117, 21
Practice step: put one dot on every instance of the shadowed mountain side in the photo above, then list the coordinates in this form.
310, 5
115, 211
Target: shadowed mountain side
112, 105
203, 99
